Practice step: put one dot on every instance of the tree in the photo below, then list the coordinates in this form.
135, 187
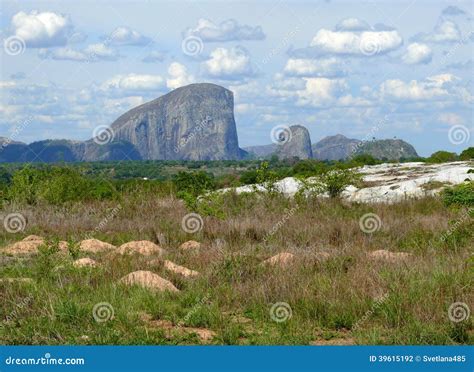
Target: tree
442, 157
467, 154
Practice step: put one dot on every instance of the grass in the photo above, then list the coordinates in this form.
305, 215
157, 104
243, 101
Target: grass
330, 300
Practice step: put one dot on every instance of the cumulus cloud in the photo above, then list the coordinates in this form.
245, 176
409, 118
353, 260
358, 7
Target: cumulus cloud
228, 30
92, 53
133, 82
42, 29
352, 24
324, 67
453, 11
126, 36
229, 64
432, 88
450, 118
351, 37
417, 53
445, 31
179, 76
154, 56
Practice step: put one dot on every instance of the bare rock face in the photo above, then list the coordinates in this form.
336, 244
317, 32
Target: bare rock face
149, 280
296, 143
336, 147
195, 122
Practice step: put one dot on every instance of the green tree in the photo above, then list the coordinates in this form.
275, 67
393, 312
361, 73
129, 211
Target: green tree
442, 157
467, 154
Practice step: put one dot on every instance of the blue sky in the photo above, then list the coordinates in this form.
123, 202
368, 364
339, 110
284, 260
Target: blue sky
364, 69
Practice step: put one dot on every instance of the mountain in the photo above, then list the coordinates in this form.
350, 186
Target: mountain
340, 147
195, 122
336, 147
295, 143
389, 149
262, 151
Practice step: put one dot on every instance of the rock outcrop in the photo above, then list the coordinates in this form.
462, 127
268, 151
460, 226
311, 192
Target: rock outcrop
195, 122
336, 147
297, 144
340, 147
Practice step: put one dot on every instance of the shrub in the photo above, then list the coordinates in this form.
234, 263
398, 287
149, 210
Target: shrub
442, 157
335, 181
193, 183
462, 194
364, 159
467, 154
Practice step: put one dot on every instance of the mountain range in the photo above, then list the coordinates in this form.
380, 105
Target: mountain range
194, 122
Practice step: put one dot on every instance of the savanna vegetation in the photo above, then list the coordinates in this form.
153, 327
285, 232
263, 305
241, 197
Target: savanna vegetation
333, 289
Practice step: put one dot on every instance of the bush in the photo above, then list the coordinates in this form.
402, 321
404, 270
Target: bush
193, 183
462, 194
467, 154
364, 159
335, 181
442, 157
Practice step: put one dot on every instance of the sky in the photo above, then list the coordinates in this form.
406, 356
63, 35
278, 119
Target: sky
364, 69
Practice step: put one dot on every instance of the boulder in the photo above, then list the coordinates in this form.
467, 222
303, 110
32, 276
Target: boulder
391, 257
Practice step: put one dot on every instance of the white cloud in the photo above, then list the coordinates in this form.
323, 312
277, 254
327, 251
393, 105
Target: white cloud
228, 63
324, 67
432, 88
178, 76
154, 56
42, 29
134, 82
352, 24
126, 36
366, 43
450, 118
102, 52
228, 30
92, 53
320, 91
417, 53
445, 31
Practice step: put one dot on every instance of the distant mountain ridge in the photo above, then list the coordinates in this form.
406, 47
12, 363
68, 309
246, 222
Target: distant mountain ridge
339, 147
194, 122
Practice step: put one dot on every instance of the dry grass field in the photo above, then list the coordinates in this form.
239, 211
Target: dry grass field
330, 289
